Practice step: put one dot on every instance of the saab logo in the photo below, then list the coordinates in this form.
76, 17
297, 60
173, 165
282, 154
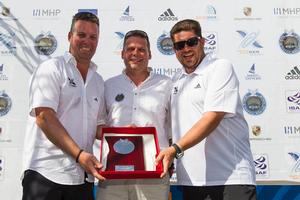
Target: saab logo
252, 75
295, 165
168, 15
210, 14
46, 12
119, 47
289, 42
210, 42
7, 41
164, 44
286, 12
261, 163
254, 103
126, 16
166, 71
293, 101
93, 11
3, 77
294, 74
249, 44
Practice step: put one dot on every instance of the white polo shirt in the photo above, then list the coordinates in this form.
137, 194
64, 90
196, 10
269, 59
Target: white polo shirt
224, 157
145, 105
79, 106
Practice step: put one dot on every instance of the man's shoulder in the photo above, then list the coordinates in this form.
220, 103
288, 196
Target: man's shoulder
114, 80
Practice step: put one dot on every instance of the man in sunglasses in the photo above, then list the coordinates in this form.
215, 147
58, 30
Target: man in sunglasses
207, 123
138, 97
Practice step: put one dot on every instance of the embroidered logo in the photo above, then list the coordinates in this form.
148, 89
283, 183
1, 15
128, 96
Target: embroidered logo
71, 82
197, 86
175, 90
119, 97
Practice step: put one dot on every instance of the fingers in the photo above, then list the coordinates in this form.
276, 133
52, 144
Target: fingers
159, 158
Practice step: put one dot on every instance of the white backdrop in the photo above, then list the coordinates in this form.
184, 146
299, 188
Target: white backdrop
261, 38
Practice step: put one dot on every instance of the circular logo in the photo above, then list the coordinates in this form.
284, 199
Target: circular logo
5, 103
5, 11
165, 45
119, 97
254, 103
289, 42
45, 44
124, 146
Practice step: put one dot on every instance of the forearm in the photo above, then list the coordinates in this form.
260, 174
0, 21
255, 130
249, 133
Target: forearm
55, 132
200, 129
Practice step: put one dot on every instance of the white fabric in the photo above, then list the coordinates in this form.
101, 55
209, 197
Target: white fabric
145, 105
224, 157
79, 106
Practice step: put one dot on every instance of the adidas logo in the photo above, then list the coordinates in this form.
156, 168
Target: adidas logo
197, 86
293, 74
168, 15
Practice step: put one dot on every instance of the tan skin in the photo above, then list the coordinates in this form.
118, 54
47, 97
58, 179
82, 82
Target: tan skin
136, 56
83, 43
190, 57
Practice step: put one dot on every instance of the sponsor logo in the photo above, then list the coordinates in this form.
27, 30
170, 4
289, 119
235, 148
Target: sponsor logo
289, 42
4, 138
295, 165
257, 132
252, 75
7, 44
293, 101
247, 15
120, 36
211, 41
5, 14
3, 77
71, 82
5, 103
175, 90
119, 97
164, 44
210, 14
46, 13
1, 168
254, 103
166, 71
249, 44
93, 11
293, 74
168, 15
291, 131
126, 16
286, 12
45, 44
261, 163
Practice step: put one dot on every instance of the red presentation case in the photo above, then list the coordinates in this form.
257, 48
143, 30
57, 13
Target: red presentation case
139, 148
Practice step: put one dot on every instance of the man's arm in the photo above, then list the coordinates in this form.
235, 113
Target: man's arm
196, 134
58, 135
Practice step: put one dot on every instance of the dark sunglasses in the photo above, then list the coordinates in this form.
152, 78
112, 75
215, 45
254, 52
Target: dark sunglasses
190, 42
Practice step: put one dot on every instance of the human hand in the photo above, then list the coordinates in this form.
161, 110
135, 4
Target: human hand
90, 164
166, 156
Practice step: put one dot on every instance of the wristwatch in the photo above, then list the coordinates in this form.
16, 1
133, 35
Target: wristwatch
179, 152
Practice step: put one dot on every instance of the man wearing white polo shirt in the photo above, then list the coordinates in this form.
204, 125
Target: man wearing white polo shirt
214, 160
138, 97
66, 110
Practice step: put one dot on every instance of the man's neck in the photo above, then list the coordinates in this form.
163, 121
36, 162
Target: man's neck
138, 77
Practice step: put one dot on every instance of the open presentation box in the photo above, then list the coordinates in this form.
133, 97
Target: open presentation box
129, 153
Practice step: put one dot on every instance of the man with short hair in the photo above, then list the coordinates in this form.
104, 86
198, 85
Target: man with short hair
66, 110
138, 97
207, 123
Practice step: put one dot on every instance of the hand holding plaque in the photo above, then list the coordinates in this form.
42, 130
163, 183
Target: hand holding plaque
125, 153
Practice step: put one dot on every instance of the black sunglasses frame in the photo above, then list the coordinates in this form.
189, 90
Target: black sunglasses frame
190, 42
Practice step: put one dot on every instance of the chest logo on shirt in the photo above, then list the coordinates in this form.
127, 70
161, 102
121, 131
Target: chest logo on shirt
71, 82
175, 90
119, 97
197, 86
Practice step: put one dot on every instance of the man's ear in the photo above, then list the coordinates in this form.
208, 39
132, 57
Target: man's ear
69, 36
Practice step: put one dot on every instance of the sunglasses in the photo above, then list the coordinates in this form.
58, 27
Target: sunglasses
190, 42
